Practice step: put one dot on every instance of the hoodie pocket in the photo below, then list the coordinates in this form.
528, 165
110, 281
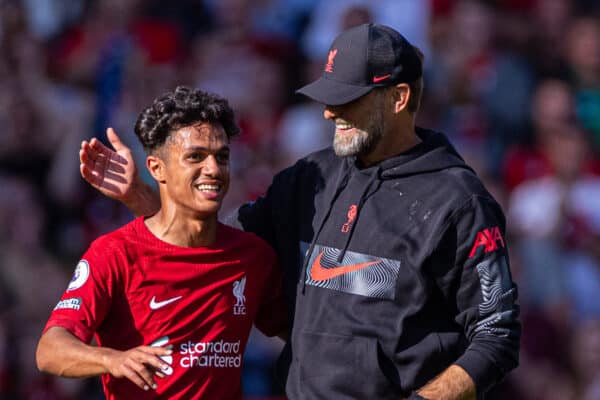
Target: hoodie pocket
429, 357
342, 367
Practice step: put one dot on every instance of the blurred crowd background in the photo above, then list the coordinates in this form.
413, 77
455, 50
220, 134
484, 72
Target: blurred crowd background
515, 84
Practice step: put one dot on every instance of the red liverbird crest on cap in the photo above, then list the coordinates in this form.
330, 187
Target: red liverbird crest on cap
330, 57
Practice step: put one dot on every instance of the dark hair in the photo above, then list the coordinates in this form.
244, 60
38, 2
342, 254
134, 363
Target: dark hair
416, 93
416, 87
182, 107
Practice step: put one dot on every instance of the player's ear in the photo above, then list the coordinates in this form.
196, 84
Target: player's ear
156, 167
401, 94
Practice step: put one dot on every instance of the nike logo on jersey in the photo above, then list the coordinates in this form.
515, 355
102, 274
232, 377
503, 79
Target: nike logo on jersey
155, 305
319, 273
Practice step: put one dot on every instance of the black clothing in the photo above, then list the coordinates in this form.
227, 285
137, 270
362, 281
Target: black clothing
394, 272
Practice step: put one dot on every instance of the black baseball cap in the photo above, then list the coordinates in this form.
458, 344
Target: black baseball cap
360, 59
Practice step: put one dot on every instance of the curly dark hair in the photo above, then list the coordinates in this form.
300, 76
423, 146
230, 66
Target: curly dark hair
182, 107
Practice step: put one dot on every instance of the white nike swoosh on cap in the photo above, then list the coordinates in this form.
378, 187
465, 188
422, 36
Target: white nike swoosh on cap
155, 305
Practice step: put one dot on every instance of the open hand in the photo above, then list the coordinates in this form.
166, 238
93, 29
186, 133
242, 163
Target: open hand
112, 172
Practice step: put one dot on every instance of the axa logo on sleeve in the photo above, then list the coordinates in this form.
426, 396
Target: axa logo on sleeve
217, 354
80, 276
490, 238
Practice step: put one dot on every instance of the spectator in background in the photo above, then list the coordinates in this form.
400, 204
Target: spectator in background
582, 51
35, 123
479, 92
553, 182
23, 261
558, 219
95, 53
546, 24
552, 108
327, 20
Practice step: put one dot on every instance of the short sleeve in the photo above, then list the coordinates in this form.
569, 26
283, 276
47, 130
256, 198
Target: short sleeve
87, 298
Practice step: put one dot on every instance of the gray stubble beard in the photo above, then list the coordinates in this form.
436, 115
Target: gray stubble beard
361, 143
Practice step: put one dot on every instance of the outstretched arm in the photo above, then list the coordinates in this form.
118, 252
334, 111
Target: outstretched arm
61, 353
114, 174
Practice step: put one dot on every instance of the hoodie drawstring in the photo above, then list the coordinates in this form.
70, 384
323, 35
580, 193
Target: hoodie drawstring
361, 201
342, 180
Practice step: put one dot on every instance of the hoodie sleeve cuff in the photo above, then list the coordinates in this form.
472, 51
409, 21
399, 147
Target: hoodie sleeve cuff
484, 373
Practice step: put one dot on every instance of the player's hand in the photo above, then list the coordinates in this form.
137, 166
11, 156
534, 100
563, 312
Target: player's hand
112, 172
139, 365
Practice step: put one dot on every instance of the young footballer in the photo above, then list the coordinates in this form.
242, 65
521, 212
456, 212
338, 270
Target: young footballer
170, 296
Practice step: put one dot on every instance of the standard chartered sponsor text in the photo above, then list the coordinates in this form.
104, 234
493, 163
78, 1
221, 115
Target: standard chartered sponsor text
219, 354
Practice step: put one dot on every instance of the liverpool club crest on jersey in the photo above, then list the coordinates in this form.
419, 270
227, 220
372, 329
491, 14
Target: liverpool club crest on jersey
239, 308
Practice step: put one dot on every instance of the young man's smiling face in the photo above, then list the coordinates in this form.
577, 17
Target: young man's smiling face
195, 163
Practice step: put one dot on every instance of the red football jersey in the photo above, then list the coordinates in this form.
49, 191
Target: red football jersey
132, 289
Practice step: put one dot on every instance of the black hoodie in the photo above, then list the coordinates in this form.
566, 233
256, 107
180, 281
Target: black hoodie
394, 272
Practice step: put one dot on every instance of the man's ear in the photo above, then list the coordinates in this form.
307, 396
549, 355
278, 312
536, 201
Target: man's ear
401, 94
156, 167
